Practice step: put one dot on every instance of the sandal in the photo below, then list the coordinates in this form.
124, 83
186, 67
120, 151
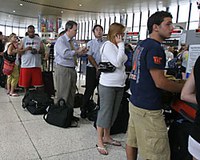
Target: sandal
102, 150
113, 142
14, 94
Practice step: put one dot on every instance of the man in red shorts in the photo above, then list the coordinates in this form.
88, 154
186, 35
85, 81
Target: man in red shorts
30, 48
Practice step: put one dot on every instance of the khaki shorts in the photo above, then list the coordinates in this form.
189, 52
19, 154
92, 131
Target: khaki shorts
147, 131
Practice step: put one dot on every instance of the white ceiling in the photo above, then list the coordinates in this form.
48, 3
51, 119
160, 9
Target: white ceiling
11, 13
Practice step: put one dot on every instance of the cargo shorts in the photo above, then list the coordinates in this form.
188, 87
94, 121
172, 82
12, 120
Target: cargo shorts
147, 131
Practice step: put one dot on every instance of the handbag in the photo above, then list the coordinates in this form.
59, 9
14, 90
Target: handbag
8, 67
60, 115
106, 67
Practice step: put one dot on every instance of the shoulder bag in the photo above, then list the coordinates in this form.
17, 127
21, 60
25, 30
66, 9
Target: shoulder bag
106, 67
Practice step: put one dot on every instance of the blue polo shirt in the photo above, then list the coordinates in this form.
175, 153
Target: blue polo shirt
148, 54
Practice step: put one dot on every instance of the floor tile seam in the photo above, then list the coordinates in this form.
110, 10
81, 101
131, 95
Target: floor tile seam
22, 122
85, 149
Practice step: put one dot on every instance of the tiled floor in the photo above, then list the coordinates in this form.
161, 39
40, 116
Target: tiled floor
28, 137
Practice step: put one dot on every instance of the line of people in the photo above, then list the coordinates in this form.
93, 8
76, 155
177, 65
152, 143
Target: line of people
147, 131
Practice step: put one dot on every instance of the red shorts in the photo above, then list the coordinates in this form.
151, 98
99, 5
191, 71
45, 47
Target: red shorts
30, 77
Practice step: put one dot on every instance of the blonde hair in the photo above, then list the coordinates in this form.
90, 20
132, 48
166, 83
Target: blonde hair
10, 36
114, 29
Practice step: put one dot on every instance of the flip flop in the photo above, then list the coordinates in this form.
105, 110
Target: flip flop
102, 150
114, 143
14, 94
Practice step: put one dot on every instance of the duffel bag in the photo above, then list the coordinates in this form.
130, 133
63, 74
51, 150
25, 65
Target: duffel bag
60, 115
36, 101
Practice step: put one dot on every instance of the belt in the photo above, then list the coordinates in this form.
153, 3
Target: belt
65, 66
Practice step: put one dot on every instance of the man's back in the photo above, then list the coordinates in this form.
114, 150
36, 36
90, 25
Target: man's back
148, 55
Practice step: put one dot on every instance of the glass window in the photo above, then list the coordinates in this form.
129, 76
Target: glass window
194, 12
90, 30
80, 30
83, 31
112, 18
15, 30
22, 32
173, 11
144, 18
98, 21
143, 32
117, 18
153, 10
183, 12
107, 25
86, 30
136, 29
129, 21
136, 20
2, 29
8, 30
102, 21
193, 25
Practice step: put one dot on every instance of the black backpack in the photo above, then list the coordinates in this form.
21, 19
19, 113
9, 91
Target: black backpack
60, 115
36, 101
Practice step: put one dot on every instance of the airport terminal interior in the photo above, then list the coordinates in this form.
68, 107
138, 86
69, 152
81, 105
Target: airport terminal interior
24, 136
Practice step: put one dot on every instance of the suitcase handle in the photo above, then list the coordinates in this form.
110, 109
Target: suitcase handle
186, 116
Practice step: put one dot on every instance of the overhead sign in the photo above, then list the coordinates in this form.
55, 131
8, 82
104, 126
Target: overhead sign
194, 53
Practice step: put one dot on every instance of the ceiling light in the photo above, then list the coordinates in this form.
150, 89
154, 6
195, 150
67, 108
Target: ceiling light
21, 4
80, 5
61, 11
13, 11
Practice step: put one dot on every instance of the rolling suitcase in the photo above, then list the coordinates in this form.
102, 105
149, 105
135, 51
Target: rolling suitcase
48, 83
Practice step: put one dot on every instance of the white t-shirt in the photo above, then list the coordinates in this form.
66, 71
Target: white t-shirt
29, 60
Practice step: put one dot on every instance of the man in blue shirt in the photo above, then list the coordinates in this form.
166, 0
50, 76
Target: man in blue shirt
92, 74
147, 132
66, 52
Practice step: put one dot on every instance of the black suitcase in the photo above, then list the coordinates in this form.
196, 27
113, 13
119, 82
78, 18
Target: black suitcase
178, 139
48, 83
121, 123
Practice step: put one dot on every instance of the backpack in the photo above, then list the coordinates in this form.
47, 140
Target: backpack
36, 101
60, 115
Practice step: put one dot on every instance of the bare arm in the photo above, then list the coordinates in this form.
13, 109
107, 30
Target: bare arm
163, 83
92, 61
188, 92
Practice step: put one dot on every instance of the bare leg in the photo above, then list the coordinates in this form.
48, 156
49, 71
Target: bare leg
131, 153
100, 132
106, 136
8, 88
12, 89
